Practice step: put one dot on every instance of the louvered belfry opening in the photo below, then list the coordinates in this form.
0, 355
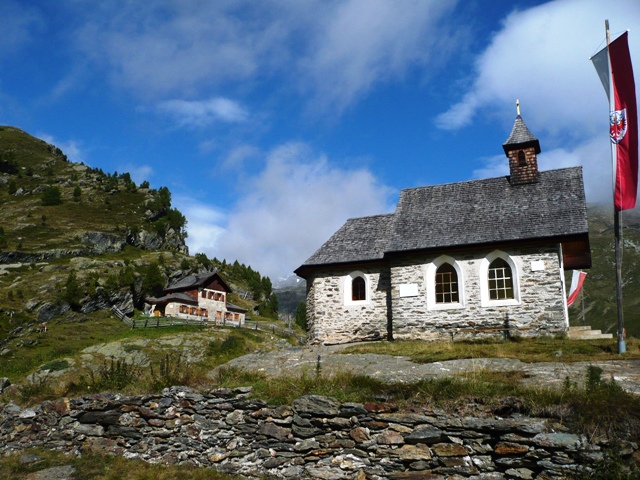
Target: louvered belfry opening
522, 149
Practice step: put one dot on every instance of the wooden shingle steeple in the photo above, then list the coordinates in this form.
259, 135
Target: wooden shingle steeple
522, 149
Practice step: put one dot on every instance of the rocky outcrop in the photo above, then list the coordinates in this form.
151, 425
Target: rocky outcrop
103, 301
103, 242
22, 257
171, 240
316, 437
49, 311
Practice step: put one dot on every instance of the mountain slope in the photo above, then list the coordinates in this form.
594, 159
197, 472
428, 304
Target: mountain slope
600, 310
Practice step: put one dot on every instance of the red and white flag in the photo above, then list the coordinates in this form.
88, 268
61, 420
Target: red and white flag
623, 118
576, 285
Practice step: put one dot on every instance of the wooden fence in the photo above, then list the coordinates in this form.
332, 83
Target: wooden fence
157, 322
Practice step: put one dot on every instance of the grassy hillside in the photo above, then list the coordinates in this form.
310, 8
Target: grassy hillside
74, 241
600, 309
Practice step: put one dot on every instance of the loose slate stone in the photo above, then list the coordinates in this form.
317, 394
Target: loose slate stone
109, 417
449, 450
29, 458
566, 441
427, 435
389, 437
92, 430
413, 453
510, 448
306, 445
348, 410
359, 434
271, 430
305, 432
417, 475
317, 405
404, 418
523, 473
326, 473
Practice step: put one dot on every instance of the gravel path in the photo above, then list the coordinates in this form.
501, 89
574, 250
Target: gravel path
401, 369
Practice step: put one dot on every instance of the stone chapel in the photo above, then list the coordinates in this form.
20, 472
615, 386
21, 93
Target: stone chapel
482, 257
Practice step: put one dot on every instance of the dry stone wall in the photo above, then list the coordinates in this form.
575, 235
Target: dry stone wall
315, 438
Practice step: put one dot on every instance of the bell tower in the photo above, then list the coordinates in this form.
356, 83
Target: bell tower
522, 149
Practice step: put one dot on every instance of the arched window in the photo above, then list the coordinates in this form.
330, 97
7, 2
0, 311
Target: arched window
500, 279
358, 289
447, 284
444, 283
522, 159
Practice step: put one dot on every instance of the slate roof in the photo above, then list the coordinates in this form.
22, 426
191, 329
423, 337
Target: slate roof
464, 214
194, 281
235, 308
358, 239
490, 211
520, 135
173, 297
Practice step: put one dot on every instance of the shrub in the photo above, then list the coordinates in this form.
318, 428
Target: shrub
152, 280
77, 193
171, 371
301, 315
51, 196
112, 375
71, 292
55, 365
231, 347
13, 188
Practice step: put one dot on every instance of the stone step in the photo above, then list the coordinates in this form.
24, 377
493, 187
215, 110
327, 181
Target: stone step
584, 332
579, 328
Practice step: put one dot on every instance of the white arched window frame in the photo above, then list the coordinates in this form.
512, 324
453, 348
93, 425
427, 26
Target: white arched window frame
348, 293
485, 299
430, 276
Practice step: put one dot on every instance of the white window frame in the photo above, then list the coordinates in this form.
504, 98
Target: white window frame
348, 293
430, 276
485, 299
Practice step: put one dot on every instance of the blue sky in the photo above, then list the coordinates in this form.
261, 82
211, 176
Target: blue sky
273, 122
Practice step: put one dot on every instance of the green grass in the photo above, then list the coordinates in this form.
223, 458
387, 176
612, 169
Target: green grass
94, 466
69, 339
117, 375
526, 350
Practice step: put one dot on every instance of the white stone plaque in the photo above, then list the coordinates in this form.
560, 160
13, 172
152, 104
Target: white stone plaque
408, 290
537, 266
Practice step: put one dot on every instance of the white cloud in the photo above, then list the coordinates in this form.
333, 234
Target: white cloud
204, 224
541, 57
236, 158
288, 210
204, 112
364, 42
334, 50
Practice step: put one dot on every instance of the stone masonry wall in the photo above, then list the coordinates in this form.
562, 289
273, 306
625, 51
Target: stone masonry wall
330, 320
542, 308
315, 438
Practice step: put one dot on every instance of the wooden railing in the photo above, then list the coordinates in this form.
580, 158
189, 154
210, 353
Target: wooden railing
157, 322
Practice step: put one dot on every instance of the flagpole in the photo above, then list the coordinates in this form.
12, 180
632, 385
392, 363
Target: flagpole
622, 345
